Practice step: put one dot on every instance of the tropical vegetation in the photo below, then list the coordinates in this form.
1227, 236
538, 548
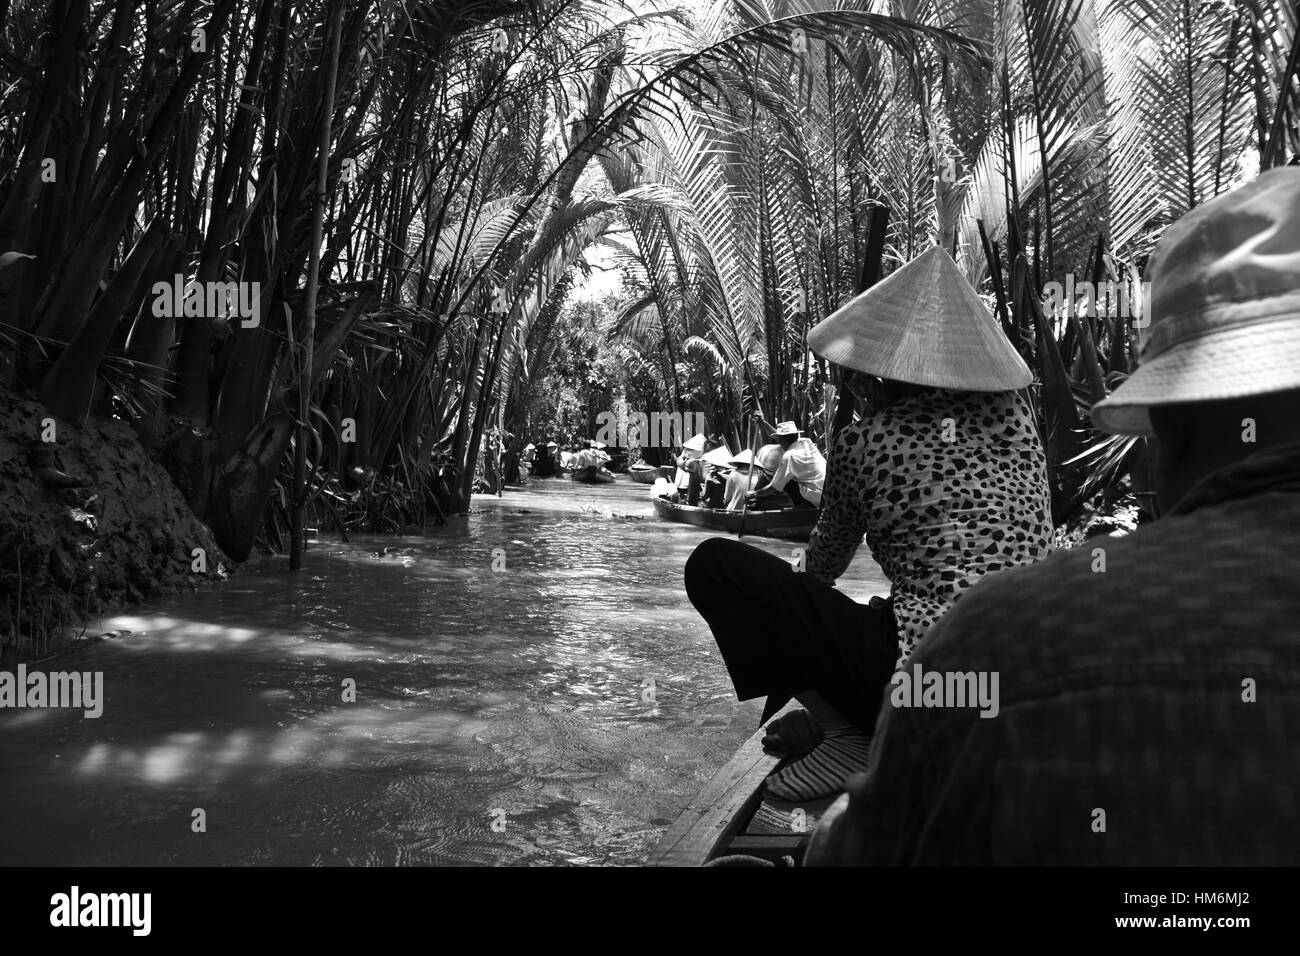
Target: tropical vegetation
415, 190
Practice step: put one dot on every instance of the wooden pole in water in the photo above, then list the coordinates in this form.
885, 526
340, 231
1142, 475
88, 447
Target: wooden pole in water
306, 340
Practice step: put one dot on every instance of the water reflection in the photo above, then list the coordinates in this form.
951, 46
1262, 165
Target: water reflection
560, 711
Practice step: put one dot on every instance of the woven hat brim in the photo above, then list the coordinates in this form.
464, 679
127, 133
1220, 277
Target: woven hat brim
923, 324
1232, 363
720, 457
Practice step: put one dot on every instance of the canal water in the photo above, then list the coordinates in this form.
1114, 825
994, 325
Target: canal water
530, 686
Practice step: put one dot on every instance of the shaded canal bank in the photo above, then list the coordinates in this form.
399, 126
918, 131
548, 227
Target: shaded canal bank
88, 521
559, 710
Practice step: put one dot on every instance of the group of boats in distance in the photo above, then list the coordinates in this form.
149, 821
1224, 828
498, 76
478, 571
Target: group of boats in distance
790, 523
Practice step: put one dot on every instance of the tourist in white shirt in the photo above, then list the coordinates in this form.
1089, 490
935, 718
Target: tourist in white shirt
692, 449
593, 456
802, 471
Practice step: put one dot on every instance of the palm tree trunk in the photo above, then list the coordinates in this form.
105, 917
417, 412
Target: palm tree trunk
308, 334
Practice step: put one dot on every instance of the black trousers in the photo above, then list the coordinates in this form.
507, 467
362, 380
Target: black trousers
714, 495
781, 631
796, 496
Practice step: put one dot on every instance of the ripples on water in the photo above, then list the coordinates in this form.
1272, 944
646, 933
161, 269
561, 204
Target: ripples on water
521, 697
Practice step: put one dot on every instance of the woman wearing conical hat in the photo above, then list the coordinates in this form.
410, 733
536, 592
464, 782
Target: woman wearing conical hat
752, 471
944, 478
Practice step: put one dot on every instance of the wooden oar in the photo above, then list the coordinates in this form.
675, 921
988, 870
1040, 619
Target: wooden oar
749, 484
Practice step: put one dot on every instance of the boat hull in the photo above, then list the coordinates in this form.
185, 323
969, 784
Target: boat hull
732, 817
591, 475
788, 523
645, 475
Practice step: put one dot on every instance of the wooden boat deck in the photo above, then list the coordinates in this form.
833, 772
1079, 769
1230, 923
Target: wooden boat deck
731, 816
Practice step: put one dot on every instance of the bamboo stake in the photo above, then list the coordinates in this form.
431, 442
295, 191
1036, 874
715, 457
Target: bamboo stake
308, 336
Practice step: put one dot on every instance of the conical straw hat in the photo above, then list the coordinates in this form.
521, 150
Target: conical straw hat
720, 456
923, 324
745, 457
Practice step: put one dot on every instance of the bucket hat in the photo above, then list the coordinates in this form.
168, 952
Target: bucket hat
1224, 310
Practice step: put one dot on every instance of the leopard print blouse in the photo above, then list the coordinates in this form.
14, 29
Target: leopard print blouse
944, 487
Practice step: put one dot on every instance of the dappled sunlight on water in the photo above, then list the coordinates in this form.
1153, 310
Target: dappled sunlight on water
561, 710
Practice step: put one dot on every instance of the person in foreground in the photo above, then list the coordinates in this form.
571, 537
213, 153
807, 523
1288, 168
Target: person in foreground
946, 479
1149, 685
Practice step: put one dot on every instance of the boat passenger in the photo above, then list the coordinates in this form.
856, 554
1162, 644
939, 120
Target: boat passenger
590, 462
749, 475
1128, 672
717, 462
800, 475
664, 488
946, 479
692, 449
690, 472
587, 457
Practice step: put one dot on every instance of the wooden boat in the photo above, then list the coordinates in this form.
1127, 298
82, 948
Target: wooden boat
593, 475
731, 816
645, 474
791, 523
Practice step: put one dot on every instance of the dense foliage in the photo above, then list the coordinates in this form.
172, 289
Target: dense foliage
409, 187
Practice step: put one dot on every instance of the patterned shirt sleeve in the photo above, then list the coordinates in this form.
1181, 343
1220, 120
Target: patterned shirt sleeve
843, 518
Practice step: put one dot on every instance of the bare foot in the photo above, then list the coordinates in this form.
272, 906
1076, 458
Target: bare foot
794, 733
